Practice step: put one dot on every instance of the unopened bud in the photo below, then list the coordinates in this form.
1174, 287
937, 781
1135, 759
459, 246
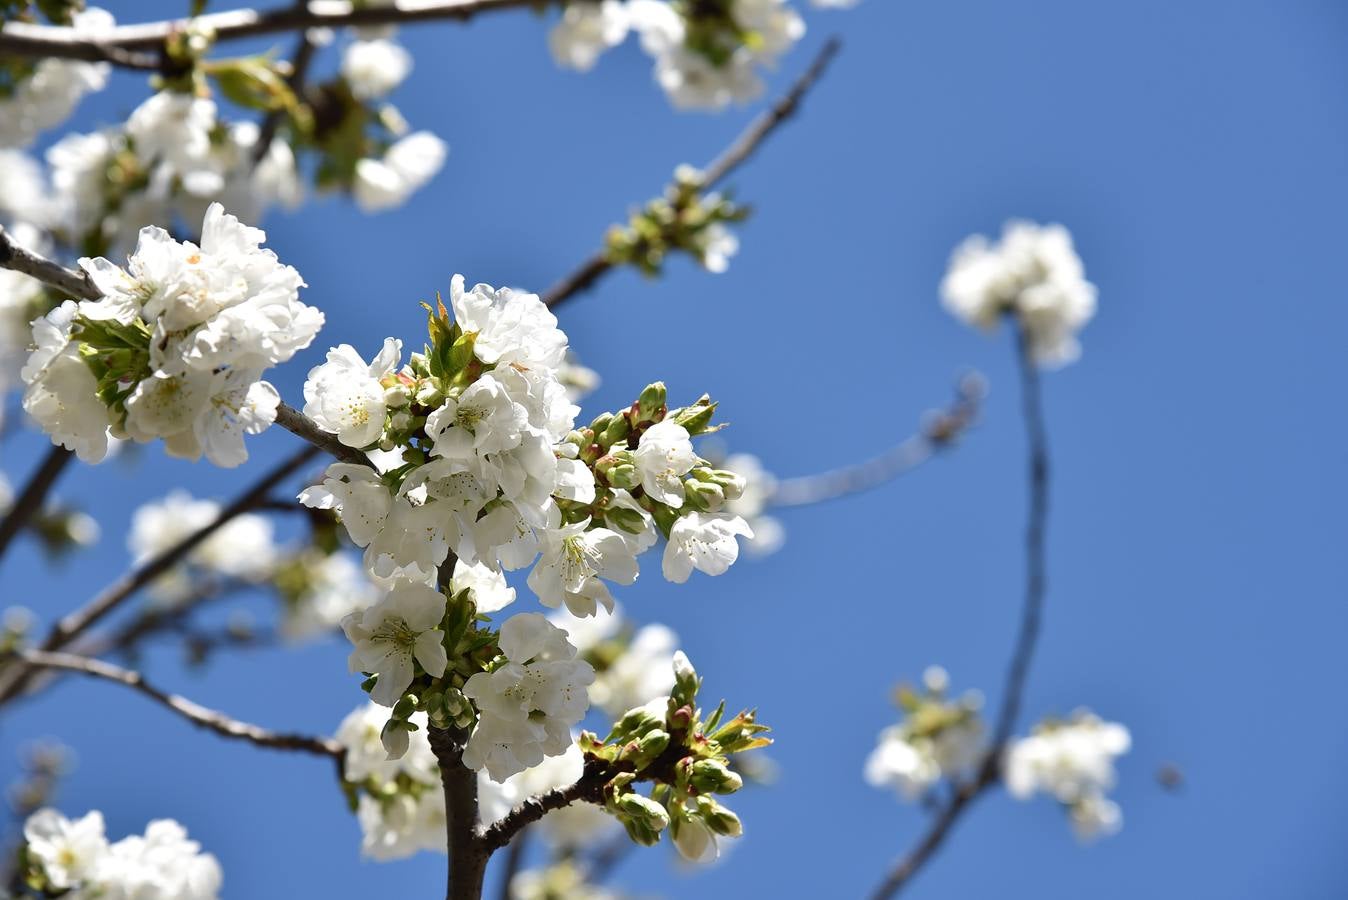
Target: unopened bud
703, 495
651, 403
718, 818
710, 776
397, 396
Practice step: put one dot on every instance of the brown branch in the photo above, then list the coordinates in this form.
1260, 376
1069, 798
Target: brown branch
300, 425
939, 434
589, 789
1036, 586
467, 854
20, 259
26, 40
79, 621
199, 715
730, 159
33, 495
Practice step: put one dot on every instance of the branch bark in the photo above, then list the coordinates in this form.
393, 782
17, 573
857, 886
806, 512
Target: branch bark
20, 259
25, 40
1036, 587
731, 158
589, 789
199, 715
33, 495
467, 855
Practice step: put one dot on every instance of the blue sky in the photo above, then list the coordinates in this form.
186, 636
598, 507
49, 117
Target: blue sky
1197, 152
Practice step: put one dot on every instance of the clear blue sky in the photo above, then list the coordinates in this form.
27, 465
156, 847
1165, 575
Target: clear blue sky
1198, 153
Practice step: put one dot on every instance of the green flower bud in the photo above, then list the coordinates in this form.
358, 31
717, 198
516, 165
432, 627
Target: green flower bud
618, 428
651, 403
710, 776
718, 818
643, 809
405, 706
628, 520
697, 417
625, 477
703, 495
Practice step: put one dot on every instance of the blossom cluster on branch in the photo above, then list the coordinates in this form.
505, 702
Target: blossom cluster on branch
75, 860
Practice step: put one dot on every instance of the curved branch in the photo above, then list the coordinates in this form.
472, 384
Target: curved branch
33, 495
79, 621
730, 159
199, 715
589, 789
300, 425
937, 434
27, 40
1036, 587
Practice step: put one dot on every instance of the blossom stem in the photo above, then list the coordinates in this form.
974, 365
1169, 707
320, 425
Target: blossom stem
1036, 587
213, 720
730, 159
34, 493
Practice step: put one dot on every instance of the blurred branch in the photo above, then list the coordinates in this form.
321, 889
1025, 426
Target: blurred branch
21, 39
210, 719
300, 60
33, 495
79, 621
939, 432
730, 159
1036, 585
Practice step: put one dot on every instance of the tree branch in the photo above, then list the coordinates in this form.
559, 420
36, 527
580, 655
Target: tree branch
33, 495
467, 855
79, 621
26, 40
1036, 586
937, 435
199, 715
20, 259
589, 789
730, 159
300, 425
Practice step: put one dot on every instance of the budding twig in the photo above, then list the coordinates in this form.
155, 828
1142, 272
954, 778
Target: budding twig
589, 789
1036, 585
213, 720
730, 159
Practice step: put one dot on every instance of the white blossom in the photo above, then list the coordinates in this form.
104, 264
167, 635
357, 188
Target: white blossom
573, 559
586, 30
346, 396
396, 630
241, 548
374, 68
335, 586
162, 864
488, 586
663, 456
1033, 273
62, 394
527, 706
409, 164
50, 94
703, 541
1074, 762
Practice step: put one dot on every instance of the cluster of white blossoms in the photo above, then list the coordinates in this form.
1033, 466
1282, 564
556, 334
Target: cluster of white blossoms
707, 56
632, 668
175, 348
243, 548
1073, 761
938, 738
75, 860
50, 92
400, 804
1034, 274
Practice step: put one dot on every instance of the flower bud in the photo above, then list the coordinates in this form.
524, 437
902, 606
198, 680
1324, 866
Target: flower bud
643, 809
651, 403
397, 396
624, 476
395, 738
694, 840
718, 818
697, 417
703, 495
618, 428
710, 776
628, 520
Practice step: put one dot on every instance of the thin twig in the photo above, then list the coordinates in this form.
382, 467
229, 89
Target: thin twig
33, 495
1036, 586
27, 40
79, 621
939, 432
199, 715
589, 789
730, 159
20, 259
